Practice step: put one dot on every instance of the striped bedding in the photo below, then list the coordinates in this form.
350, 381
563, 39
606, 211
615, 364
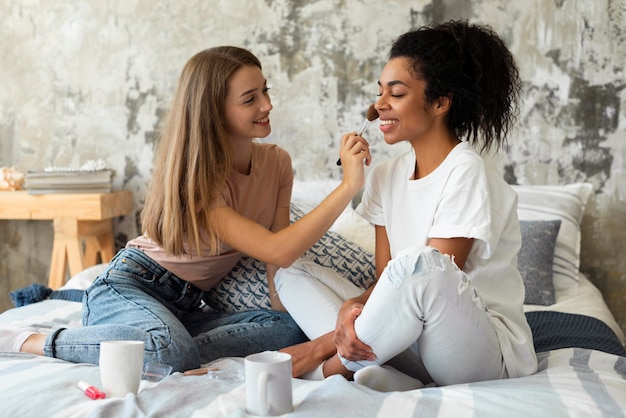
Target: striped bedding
580, 382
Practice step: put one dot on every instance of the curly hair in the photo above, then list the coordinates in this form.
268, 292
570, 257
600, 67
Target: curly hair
472, 65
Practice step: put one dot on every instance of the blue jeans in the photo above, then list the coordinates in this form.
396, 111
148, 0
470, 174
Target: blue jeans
137, 299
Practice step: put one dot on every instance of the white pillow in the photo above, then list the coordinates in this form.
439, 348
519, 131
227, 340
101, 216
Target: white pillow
307, 194
566, 203
355, 228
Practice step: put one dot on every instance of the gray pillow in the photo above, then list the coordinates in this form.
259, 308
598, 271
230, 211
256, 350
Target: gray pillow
535, 260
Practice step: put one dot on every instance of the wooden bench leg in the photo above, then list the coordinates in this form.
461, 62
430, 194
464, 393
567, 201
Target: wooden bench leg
98, 236
66, 249
102, 245
58, 264
107, 246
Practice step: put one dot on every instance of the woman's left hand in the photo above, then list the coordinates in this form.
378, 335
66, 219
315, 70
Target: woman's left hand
348, 345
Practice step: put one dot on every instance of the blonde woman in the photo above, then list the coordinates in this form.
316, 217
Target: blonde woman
216, 194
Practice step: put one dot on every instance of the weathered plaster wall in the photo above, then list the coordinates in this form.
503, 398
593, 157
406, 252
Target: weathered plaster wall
91, 79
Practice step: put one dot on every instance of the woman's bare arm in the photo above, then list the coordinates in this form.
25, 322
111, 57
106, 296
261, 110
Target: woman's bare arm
281, 221
283, 247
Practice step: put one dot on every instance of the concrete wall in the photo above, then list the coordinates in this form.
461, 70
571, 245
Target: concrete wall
87, 79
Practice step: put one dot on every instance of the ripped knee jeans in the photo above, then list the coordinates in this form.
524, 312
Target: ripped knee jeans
424, 300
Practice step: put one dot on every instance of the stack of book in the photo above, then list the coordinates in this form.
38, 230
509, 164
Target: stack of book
69, 181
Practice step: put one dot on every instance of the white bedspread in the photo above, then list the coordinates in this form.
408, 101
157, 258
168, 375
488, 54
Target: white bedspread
570, 382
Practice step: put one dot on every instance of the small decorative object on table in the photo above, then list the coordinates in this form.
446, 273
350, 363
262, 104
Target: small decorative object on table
11, 179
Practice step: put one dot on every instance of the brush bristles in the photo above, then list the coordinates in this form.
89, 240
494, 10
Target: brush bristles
372, 113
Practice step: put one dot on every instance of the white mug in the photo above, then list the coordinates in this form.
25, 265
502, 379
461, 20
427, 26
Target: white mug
121, 364
268, 383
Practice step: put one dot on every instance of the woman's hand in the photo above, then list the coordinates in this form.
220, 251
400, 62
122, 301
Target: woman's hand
348, 345
353, 152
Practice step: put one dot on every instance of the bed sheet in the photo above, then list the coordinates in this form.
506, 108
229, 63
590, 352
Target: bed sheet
570, 382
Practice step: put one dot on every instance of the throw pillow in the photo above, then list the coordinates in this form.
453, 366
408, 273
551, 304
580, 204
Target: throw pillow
567, 204
535, 260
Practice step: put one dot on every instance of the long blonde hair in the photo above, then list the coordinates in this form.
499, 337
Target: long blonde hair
194, 154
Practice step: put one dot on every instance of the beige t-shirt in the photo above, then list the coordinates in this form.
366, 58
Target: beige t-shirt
255, 196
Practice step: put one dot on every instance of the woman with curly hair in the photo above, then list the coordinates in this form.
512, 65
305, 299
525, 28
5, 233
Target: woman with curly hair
447, 304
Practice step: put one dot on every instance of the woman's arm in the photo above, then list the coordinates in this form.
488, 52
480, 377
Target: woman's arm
457, 248
281, 221
382, 249
283, 247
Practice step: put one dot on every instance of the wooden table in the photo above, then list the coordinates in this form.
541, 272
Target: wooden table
77, 218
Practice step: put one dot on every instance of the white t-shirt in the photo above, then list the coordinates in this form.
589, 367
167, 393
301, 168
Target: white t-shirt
464, 197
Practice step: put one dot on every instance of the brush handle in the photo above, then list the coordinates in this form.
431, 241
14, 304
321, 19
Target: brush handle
363, 127
359, 132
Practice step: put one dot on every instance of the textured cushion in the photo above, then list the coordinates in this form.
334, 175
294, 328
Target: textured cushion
535, 260
342, 255
245, 287
567, 204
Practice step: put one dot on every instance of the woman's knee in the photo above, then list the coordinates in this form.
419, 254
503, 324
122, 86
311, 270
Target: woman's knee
181, 356
417, 264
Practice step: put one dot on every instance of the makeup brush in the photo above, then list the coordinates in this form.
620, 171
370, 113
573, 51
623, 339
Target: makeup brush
372, 114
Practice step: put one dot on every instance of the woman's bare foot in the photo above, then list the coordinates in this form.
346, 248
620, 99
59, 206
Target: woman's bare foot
386, 379
34, 344
334, 366
306, 357
17, 339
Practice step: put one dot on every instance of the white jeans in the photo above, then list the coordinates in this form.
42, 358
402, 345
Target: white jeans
424, 317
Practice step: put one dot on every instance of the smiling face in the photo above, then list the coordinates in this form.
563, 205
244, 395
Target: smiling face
405, 115
248, 105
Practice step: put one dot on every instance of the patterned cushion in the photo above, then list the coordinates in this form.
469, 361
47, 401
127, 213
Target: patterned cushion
245, 287
535, 260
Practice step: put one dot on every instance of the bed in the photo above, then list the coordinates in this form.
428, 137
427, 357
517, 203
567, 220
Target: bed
582, 360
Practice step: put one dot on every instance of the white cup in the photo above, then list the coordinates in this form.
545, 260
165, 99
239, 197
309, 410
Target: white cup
268, 383
121, 364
